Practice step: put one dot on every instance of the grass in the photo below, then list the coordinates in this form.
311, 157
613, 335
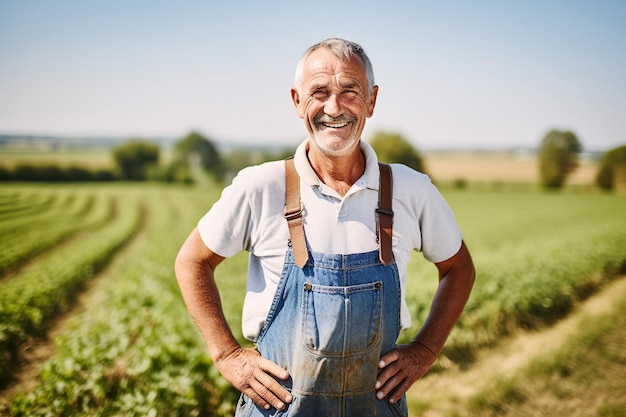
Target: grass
584, 377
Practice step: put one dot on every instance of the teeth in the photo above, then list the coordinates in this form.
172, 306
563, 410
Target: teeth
335, 125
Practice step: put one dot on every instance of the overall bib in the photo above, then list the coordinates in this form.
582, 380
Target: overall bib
330, 322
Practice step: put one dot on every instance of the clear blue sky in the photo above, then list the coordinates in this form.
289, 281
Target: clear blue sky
488, 74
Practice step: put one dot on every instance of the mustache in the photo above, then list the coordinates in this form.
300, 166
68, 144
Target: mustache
342, 118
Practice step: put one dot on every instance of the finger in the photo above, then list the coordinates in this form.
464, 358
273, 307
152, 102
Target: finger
264, 397
273, 387
265, 374
399, 391
389, 357
251, 392
273, 368
389, 367
388, 381
393, 381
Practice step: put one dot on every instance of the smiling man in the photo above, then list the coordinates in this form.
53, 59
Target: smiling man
330, 235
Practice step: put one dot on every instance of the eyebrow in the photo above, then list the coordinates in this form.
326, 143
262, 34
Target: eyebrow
349, 85
318, 86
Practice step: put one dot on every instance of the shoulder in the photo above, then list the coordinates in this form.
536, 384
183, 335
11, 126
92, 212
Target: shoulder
414, 188
264, 175
404, 176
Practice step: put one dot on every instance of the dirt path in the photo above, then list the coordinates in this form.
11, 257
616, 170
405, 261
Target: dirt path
448, 391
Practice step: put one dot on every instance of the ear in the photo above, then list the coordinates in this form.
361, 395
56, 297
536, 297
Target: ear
295, 97
372, 103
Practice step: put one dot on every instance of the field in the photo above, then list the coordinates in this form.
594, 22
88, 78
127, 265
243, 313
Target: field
500, 167
92, 322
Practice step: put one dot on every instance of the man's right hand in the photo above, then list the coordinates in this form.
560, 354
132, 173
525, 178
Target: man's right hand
245, 369
254, 376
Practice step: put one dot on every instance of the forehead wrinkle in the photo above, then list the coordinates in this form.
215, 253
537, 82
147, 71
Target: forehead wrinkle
325, 81
317, 67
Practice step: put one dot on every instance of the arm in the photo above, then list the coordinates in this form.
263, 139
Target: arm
245, 369
404, 365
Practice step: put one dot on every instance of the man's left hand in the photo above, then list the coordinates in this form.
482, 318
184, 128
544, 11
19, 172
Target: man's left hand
400, 368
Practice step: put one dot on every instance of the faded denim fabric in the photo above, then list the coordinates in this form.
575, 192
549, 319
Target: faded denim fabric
328, 326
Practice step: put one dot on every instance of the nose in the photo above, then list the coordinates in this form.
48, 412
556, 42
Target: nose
332, 106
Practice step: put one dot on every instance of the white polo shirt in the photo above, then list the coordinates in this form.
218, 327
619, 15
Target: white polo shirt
249, 216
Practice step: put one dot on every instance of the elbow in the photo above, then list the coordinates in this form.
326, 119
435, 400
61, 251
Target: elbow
195, 258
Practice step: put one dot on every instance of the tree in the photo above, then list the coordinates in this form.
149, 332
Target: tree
612, 171
558, 157
393, 148
196, 150
134, 157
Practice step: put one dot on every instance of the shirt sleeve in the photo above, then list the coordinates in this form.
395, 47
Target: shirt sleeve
441, 235
225, 228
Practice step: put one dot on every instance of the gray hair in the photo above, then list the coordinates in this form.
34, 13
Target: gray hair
342, 49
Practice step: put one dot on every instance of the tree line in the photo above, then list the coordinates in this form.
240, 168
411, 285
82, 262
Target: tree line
195, 155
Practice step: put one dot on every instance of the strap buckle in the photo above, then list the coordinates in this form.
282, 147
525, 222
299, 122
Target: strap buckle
385, 212
293, 214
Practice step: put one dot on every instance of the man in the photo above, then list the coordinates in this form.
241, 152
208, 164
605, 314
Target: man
325, 298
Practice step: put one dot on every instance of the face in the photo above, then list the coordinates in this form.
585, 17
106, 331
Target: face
334, 100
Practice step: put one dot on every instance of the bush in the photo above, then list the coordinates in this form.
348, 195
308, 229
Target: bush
394, 148
612, 171
135, 157
54, 173
558, 157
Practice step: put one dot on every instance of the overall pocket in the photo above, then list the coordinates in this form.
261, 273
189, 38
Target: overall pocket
342, 321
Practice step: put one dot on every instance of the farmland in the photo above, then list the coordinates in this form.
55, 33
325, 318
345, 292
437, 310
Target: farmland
87, 274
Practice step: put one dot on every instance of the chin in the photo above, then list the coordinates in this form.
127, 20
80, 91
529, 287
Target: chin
331, 147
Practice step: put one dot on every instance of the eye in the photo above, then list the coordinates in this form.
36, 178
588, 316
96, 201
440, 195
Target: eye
319, 94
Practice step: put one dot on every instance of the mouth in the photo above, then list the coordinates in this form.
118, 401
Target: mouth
333, 122
335, 125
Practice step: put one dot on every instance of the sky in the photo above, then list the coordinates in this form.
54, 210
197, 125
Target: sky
451, 74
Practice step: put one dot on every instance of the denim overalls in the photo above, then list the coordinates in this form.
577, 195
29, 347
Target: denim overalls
328, 326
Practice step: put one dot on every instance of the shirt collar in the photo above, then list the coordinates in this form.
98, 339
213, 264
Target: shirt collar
369, 179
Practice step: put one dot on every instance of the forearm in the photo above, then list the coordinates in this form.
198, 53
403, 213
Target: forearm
402, 366
250, 373
454, 288
203, 302
194, 271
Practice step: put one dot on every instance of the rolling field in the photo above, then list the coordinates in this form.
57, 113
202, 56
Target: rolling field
92, 322
497, 167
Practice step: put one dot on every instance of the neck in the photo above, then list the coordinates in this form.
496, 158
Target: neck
337, 172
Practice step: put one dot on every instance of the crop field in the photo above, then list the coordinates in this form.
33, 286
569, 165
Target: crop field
86, 274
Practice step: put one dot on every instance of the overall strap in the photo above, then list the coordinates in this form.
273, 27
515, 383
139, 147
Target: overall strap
293, 214
384, 214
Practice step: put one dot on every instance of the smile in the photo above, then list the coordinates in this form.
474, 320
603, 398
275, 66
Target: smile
336, 125
334, 122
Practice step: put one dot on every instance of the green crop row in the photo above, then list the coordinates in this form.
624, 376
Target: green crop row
20, 201
34, 201
135, 350
30, 235
536, 256
32, 298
